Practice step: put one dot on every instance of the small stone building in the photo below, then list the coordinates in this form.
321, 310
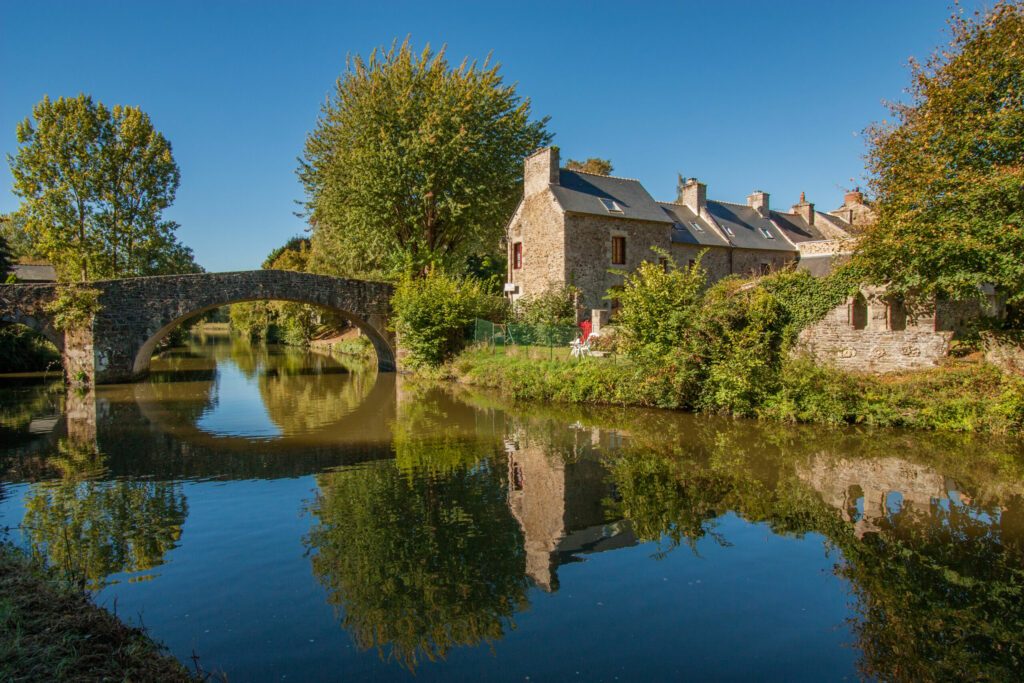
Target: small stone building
575, 228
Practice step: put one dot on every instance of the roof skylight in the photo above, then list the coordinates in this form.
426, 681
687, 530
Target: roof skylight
767, 233
610, 205
728, 231
696, 226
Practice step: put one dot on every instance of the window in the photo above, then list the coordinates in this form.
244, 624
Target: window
728, 230
691, 263
663, 262
767, 233
618, 250
517, 255
765, 268
896, 314
696, 226
610, 205
858, 312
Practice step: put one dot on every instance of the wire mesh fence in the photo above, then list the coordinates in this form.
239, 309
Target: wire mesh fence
534, 341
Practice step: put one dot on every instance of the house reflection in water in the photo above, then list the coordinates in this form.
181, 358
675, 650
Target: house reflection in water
557, 495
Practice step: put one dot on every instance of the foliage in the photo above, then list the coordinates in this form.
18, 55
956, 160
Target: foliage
659, 303
94, 183
948, 173
555, 306
432, 314
807, 299
962, 397
489, 269
22, 350
592, 165
14, 231
286, 322
414, 163
75, 306
419, 564
5, 256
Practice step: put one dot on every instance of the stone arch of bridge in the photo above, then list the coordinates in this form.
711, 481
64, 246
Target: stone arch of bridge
40, 327
382, 347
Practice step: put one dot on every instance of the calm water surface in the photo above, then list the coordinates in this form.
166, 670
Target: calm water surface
286, 516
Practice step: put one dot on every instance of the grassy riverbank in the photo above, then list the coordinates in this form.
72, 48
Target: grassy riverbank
963, 396
52, 631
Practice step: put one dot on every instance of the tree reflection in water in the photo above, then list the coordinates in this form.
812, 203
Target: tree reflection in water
91, 529
419, 564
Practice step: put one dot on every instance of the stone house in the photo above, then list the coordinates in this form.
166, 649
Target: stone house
574, 229
577, 229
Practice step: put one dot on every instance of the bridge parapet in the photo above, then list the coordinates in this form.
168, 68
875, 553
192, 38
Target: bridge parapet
136, 313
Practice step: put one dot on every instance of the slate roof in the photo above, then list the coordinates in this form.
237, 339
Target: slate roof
743, 225
796, 228
34, 273
579, 192
683, 231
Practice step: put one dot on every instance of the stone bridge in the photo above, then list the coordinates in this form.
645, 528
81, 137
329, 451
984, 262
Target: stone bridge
136, 313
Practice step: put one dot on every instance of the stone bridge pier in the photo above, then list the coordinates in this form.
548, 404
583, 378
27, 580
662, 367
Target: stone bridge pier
136, 313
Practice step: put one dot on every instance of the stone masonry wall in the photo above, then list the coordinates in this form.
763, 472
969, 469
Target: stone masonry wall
717, 261
875, 348
588, 252
538, 224
748, 262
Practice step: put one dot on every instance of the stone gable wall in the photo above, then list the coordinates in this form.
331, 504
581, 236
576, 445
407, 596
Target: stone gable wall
538, 224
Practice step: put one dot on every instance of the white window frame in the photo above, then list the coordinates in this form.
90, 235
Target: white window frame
614, 208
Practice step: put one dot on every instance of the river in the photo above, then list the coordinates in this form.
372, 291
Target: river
284, 515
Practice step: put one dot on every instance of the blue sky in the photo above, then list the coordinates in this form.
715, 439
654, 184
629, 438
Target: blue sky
742, 94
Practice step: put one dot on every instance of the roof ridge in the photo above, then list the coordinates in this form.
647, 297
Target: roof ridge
599, 175
722, 201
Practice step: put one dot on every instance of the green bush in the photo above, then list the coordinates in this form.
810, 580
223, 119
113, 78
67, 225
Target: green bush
552, 307
659, 305
432, 314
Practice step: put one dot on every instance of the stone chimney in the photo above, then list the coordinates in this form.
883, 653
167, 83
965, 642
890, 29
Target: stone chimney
540, 170
694, 195
758, 201
804, 209
853, 197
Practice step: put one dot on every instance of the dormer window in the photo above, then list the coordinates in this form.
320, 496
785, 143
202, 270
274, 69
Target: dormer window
767, 233
610, 205
696, 226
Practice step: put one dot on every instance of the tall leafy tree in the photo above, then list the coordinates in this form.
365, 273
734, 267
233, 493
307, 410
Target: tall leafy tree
5, 257
414, 162
948, 171
591, 165
94, 183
